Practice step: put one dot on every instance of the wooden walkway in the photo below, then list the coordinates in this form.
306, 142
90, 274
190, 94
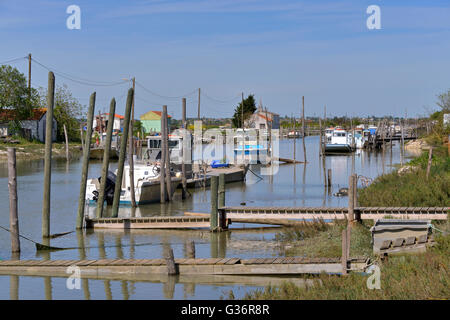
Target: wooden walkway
177, 222
431, 213
212, 266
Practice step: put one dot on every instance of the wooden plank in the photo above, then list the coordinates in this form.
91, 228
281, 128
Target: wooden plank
223, 261
233, 261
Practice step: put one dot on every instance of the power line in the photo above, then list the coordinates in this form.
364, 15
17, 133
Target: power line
13, 60
166, 97
219, 100
80, 80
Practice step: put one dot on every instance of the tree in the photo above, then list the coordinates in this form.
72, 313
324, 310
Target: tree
14, 93
66, 111
444, 101
249, 109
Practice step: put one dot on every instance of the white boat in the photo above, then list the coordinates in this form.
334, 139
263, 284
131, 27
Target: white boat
146, 185
249, 148
339, 143
328, 134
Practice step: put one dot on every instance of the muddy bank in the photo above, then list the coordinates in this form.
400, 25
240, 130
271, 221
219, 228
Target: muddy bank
37, 151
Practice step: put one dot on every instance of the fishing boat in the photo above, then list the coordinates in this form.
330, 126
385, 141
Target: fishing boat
146, 185
294, 134
339, 142
248, 148
328, 134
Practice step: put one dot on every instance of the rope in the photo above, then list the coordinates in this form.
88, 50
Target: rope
261, 178
6, 229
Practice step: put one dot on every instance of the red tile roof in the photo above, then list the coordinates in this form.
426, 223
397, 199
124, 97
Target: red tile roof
7, 114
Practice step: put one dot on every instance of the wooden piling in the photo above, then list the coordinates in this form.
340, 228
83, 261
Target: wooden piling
430, 158
81, 137
167, 157
67, 143
357, 213
329, 183
131, 157
320, 138
122, 154
162, 180
183, 165
190, 250
221, 191
12, 186
351, 201
303, 128
85, 165
106, 154
344, 258
170, 260
214, 203
48, 155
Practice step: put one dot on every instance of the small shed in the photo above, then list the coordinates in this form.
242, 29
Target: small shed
151, 121
35, 124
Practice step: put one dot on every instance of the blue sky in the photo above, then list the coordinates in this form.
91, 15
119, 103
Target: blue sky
277, 50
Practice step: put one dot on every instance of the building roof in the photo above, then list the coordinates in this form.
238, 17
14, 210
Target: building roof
115, 115
152, 115
8, 114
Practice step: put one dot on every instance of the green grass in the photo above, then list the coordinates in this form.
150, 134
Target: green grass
412, 189
322, 240
413, 276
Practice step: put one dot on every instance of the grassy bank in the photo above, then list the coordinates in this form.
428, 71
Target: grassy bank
409, 276
32, 150
413, 188
420, 276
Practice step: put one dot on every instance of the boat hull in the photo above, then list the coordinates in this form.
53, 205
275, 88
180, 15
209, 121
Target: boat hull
338, 148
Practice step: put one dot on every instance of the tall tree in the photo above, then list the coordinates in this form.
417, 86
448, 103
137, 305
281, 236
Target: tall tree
249, 109
66, 111
14, 93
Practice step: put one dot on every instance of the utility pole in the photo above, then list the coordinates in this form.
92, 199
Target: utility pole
242, 112
29, 74
198, 111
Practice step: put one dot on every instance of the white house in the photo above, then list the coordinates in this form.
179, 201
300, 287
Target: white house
33, 127
117, 126
260, 118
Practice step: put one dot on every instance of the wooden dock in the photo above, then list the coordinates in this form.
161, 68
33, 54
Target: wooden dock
99, 269
177, 222
326, 213
266, 215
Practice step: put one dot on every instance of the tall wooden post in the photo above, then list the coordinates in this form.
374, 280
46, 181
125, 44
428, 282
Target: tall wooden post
320, 138
190, 250
351, 201
29, 75
329, 178
48, 155
12, 186
131, 151
198, 111
183, 165
214, 203
162, 180
106, 154
85, 165
67, 143
344, 257
430, 158
303, 128
167, 157
295, 136
221, 190
122, 155
81, 138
